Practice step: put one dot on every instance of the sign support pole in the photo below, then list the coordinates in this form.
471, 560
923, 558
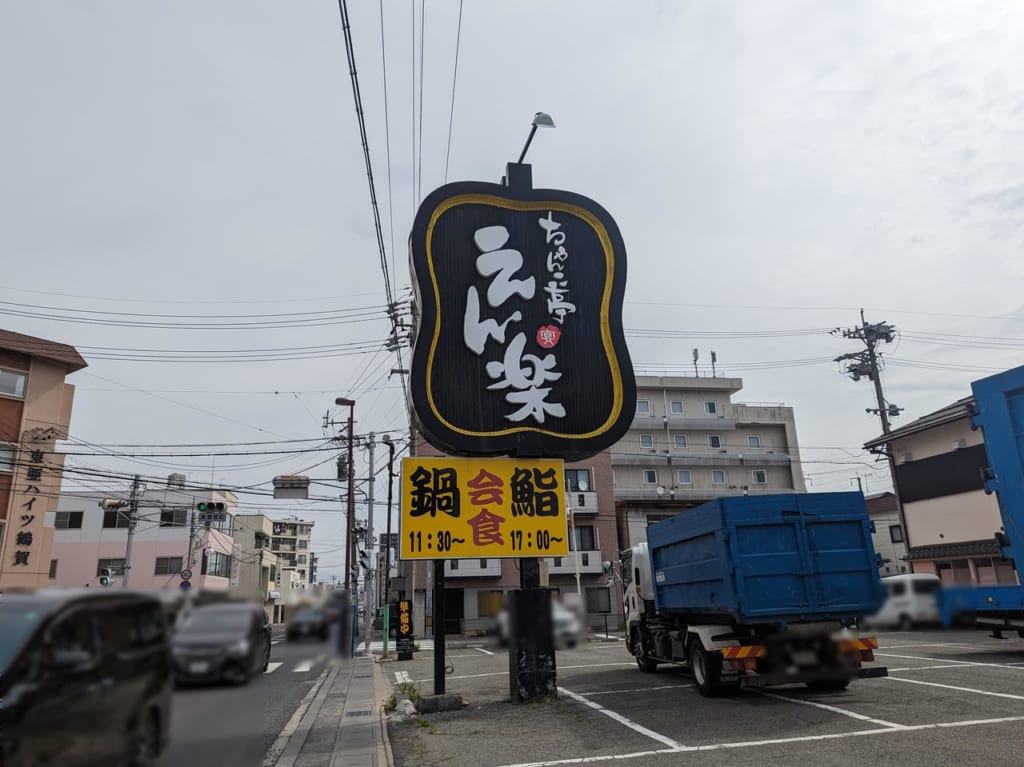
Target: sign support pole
439, 628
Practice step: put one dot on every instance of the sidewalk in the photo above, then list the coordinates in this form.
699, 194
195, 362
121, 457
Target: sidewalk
340, 722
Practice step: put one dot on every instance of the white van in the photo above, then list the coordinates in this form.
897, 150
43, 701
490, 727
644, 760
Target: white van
910, 601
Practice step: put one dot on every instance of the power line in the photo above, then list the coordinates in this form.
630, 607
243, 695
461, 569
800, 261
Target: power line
419, 171
451, 113
387, 134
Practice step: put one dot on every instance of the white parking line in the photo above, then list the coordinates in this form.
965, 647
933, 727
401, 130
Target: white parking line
623, 720
948, 660
271, 667
635, 689
303, 666
402, 677
958, 689
773, 742
925, 668
485, 652
833, 709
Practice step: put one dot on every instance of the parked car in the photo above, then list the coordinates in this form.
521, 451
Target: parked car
565, 625
222, 642
308, 622
85, 678
910, 601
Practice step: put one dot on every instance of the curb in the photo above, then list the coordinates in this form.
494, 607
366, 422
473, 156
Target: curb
285, 749
384, 754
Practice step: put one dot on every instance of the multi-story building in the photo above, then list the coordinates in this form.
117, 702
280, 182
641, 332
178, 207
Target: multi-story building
950, 521
290, 542
888, 537
35, 412
170, 537
690, 443
257, 572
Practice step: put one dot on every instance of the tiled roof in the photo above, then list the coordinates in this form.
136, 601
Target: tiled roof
40, 347
952, 550
947, 414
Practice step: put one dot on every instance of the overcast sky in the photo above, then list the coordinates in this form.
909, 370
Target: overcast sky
773, 166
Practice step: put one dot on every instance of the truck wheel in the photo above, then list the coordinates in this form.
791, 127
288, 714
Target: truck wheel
707, 672
643, 662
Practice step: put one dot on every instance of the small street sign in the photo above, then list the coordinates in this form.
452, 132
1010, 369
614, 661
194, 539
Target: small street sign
186, 575
185, 585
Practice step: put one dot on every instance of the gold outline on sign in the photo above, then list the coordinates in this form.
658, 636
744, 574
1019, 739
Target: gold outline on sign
606, 246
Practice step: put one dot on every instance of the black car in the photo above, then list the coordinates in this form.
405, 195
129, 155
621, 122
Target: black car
308, 622
85, 678
221, 642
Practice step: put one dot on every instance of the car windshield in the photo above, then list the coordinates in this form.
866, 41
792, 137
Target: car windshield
16, 626
213, 621
307, 615
926, 587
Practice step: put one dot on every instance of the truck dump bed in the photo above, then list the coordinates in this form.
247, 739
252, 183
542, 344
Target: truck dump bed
768, 559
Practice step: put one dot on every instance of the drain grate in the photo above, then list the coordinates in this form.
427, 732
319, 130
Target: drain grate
359, 713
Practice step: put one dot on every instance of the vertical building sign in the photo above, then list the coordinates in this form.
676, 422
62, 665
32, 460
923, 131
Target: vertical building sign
519, 347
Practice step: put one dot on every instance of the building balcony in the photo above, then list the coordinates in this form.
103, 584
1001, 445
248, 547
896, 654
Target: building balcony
582, 504
699, 494
472, 568
590, 563
655, 423
683, 459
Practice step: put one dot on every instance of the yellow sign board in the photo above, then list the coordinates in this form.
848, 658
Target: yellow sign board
475, 508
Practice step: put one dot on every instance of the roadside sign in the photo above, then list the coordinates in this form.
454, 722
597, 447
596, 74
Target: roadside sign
405, 638
185, 585
186, 574
476, 508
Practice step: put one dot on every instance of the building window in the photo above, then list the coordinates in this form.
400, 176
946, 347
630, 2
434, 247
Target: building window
6, 459
68, 520
753, 441
301, 559
598, 599
683, 477
116, 566
53, 569
454, 564
643, 407
759, 477
303, 544
710, 408
680, 441
650, 476
896, 533
647, 440
577, 480
217, 564
173, 518
714, 441
718, 476
675, 407
585, 538
115, 518
12, 384
167, 566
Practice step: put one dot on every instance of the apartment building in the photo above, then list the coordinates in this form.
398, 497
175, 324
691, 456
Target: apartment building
690, 443
258, 566
888, 538
290, 543
170, 536
35, 412
950, 521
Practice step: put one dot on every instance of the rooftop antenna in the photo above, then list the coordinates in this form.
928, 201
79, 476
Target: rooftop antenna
714, 359
695, 356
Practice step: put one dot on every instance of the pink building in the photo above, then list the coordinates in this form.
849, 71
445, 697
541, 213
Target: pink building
171, 536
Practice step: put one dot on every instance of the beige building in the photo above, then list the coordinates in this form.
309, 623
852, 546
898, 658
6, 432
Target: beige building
950, 521
257, 574
690, 443
35, 412
290, 543
888, 538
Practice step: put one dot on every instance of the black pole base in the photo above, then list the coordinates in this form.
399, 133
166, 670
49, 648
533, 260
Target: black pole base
532, 673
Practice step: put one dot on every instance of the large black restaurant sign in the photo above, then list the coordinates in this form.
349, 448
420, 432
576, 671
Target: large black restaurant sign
519, 348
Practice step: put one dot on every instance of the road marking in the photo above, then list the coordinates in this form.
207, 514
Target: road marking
275, 641
925, 668
505, 673
948, 660
772, 742
303, 666
623, 720
833, 709
932, 644
485, 652
636, 689
959, 689
271, 667
273, 754
402, 677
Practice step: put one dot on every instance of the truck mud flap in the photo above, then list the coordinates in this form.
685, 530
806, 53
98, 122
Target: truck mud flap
873, 673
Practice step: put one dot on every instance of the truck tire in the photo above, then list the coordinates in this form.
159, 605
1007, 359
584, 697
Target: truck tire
707, 672
643, 660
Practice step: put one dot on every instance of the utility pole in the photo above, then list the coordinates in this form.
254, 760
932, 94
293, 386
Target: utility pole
192, 533
133, 520
369, 549
351, 516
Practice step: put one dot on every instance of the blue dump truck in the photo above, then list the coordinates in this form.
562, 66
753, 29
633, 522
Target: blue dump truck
998, 410
756, 591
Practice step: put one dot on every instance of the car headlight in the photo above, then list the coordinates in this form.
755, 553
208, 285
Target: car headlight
241, 647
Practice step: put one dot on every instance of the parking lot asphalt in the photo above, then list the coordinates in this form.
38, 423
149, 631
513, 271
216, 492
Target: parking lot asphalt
952, 697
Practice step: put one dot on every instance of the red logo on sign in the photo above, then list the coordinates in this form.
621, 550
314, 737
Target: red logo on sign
548, 335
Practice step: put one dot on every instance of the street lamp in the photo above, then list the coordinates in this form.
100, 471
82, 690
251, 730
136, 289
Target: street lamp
540, 120
349, 522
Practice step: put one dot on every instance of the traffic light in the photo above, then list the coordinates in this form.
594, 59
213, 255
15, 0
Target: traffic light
109, 504
210, 506
105, 576
364, 559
